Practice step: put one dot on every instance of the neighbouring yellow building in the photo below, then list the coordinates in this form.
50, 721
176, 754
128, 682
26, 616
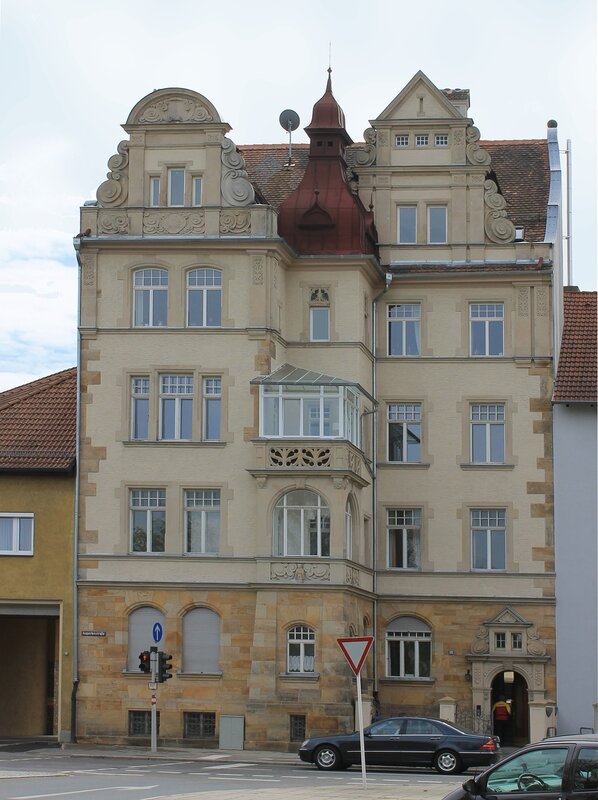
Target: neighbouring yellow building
316, 403
37, 517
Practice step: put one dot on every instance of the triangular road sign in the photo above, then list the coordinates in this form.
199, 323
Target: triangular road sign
355, 650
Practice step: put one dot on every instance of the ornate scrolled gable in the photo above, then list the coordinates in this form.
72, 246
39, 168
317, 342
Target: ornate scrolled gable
173, 106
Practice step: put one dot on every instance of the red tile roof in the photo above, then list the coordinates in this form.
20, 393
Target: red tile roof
38, 425
576, 379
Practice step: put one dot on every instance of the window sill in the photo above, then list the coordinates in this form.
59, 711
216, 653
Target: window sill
411, 679
471, 465
310, 677
171, 443
202, 676
404, 464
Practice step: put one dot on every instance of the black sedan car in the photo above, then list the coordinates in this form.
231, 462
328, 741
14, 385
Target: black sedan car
404, 742
563, 767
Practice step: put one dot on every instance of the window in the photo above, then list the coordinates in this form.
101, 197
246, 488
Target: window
212, 406
301, 525
150, 298
404, 329
16, 534
140, 723
408, 648
348, 530
487, 433
141, 622
585, 775
437, 224
154, 191
407, 225
488, 537
148, 520
176, 407
301, 643
204, 298
500, 641
404, 531
199, 724
404, 432
304, 410
516, 641
319, 324
202, 520
140, 408
196, 198
297, 727
201, 641
176, 187
402, 140
486, 329
422, 140
441, 139
534, 771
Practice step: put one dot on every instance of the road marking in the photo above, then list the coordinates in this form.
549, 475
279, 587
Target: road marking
227, 766
235, 778
214, 757
85, 791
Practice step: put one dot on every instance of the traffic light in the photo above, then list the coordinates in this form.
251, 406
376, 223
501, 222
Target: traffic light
144, 661
164, 666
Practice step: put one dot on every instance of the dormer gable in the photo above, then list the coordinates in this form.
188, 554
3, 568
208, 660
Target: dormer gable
419, 99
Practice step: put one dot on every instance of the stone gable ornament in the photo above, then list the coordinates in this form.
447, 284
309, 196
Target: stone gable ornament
235, 185
114, 191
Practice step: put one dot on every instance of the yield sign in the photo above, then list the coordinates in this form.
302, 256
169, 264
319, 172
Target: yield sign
355, 650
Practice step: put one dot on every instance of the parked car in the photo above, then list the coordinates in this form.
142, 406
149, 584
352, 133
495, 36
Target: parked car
404, 742
563, 767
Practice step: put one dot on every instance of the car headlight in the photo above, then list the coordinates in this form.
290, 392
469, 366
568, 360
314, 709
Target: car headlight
305, 743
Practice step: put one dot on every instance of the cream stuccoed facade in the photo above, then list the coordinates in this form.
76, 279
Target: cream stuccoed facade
284, 443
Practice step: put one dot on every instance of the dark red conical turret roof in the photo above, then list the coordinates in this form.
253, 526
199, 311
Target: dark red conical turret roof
323, 215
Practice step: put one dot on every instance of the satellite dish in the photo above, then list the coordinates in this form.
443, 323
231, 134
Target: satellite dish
289, 120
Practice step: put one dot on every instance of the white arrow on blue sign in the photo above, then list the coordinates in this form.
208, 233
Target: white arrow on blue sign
157, 632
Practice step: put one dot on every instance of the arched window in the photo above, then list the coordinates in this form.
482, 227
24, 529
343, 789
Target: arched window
408, 648
201, 641
301, 525
301, 649
141, 624
150, 300
204, 298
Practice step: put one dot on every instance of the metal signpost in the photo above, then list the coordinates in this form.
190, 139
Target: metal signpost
157, 632
355, 650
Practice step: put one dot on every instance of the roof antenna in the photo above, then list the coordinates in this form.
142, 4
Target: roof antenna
289, 120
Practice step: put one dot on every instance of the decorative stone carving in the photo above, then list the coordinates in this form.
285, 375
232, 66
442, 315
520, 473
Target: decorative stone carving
174, 222
481, 643
299, 572
382, 138
523, 301
352, 576
498, 228
235, 222
366, 156
300, 457
354, 462
319, 297
115, 190
275, 273
475, 154
174, 109
257, 265
458, 136
89, 270
235, 185
542, 301
113, 223
535, 645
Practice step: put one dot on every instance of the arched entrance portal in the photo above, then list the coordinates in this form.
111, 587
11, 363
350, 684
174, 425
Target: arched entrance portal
511, 687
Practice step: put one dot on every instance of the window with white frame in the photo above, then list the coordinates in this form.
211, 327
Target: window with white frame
422, 139
154, 187
348, 529
176, 187
408, 648
517, 641
407, 224
319, 315
140, 388
176, 407
488, 539
487, 433
204, 298
150, 298
148, 520
301, 649
140, 623
402, 140
404, 537
500, 640
437, 225
301, 525
196, 186
404, 329
404, 432
16, 534
201, 641
212, 408
202, 521
441, 140
486, 329
310, 411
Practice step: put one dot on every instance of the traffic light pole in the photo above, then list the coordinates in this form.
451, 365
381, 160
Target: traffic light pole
154, 715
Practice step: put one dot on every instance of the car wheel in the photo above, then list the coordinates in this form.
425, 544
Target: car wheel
327, 757
447, 762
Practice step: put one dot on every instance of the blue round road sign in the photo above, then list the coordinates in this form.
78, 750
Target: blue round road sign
157, 632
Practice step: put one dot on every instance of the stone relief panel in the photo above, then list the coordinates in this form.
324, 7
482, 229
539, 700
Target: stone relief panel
366, 156
113, 223
523, 301
299, 572
352, 576
498, 228
475, 154
257, 269
173, 222
115, 190
235, 222
89, 269
481, 643
174, 109
542, 301
235, 186
300, 457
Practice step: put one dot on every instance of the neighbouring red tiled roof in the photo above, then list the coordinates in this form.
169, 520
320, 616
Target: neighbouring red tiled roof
521, 167
577, 376
38, 424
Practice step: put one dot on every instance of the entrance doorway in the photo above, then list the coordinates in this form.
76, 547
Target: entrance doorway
511, 688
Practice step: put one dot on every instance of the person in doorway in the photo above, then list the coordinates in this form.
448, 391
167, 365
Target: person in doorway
501, 714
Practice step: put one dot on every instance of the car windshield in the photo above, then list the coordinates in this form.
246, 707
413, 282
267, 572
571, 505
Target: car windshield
538, 770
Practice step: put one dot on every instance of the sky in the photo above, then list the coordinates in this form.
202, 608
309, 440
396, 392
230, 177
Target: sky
70, 72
